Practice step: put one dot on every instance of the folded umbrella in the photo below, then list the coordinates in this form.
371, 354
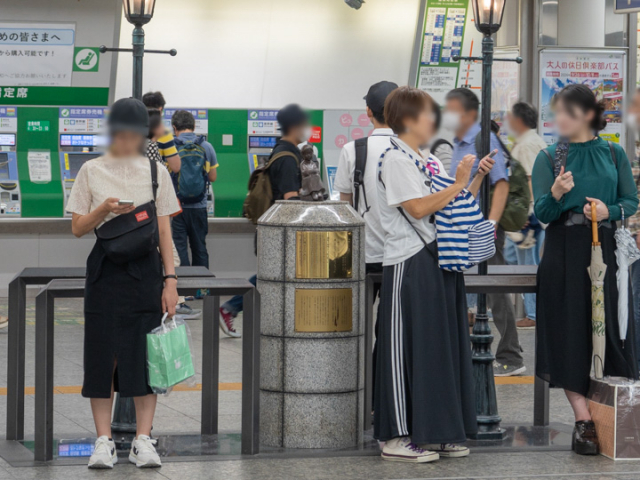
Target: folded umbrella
626, 253
597, 271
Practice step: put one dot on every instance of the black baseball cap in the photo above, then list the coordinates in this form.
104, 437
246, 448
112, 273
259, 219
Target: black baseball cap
129, 115
378, 94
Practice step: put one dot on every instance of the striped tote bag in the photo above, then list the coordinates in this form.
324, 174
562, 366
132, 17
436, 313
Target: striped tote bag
464, 237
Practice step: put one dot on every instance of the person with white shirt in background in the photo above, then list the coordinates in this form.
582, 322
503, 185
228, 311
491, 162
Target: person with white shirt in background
356, 179
526, 246
356, 175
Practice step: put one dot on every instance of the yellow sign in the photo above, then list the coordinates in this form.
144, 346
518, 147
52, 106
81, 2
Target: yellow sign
323, 310
324, 254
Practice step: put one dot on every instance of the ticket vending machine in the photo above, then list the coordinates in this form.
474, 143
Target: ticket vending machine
202, 128
81, 138
10, 197
263, 132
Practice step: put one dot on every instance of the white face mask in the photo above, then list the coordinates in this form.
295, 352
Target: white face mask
632, 120
451, 121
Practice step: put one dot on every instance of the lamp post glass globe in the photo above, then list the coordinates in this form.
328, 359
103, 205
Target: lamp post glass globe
488, 15
139, 12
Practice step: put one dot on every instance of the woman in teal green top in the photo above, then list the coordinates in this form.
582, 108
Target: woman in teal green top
595, 171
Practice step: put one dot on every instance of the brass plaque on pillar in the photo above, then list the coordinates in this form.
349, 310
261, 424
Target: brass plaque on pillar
323, 310
324, 254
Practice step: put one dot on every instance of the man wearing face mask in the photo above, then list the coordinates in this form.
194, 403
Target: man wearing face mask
633, 120
461, 117
286, 181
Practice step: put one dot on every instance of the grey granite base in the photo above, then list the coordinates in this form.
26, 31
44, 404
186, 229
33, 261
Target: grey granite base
311, 385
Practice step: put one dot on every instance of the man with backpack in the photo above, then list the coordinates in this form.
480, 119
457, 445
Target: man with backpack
461, 117
356, 176
198, 166
279, 179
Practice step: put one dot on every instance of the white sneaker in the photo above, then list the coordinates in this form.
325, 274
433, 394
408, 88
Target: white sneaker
143, 453
402, 450
104, 454
448, 450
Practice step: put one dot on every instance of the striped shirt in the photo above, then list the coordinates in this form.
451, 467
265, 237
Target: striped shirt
167, 146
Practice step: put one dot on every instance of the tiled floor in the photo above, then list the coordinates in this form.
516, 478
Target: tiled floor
180, 413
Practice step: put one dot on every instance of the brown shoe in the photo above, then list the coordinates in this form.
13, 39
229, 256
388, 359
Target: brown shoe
472, 318
526, 324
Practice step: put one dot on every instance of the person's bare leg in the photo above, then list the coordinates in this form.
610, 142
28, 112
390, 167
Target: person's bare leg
145, 410
101, 410
579, 404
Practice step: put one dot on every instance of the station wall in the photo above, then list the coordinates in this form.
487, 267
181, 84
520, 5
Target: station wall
258, 54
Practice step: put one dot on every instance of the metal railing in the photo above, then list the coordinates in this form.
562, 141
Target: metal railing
74, 288
501, 279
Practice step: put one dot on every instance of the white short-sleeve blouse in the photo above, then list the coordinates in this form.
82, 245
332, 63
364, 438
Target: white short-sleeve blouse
122, 178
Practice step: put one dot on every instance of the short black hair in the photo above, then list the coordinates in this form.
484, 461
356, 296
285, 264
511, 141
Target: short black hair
580, 96
155, 120
183, 120
154, 100
527, 113
466, 97
379, 116
290, 117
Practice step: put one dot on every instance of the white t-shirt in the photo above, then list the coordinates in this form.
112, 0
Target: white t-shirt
379, 141
403, 180
122, 178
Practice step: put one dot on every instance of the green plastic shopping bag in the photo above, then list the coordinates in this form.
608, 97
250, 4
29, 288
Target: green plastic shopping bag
168, 355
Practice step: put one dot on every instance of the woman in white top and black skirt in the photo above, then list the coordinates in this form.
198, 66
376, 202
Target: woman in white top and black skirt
126, 291
424, 388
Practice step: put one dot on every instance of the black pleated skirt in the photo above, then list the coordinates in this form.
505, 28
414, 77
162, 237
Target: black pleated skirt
424, 382
563, 323
122, 304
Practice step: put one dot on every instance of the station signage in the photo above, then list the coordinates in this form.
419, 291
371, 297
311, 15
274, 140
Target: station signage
626, 6
200, 114
82, 119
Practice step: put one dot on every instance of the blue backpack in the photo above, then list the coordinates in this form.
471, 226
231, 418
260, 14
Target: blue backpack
191, 181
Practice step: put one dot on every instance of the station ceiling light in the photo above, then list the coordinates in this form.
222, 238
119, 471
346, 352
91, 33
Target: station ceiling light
139, 12
488, 15
354, 3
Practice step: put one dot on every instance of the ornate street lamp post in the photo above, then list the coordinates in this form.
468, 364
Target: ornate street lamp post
138, 13
488, 19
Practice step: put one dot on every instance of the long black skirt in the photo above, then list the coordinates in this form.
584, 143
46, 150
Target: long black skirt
424, 382
563, 323
122, 304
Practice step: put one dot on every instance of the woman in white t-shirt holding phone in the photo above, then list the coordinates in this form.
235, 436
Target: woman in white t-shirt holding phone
424, 388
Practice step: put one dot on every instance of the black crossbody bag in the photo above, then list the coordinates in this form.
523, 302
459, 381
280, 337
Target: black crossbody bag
132, 235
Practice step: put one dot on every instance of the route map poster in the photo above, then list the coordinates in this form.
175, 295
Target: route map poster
603, 72
448, 31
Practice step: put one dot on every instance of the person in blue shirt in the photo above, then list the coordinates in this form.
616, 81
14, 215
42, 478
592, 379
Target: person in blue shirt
461, 117
191, 226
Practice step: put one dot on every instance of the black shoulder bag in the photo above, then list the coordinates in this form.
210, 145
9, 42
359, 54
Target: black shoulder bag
132, 235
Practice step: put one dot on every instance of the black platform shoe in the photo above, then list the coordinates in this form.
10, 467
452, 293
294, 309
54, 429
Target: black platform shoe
584, 440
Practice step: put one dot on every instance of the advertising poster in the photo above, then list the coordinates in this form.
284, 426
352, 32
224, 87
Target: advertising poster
448, 31
36, 54
340, 128
603, 72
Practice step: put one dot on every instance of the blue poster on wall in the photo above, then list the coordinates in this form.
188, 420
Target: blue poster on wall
627, 6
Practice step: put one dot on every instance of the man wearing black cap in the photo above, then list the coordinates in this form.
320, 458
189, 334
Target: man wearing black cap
286, 179
356, 176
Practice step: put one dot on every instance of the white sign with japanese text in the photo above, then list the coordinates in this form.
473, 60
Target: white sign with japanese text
602, 71
39, 165
36, 54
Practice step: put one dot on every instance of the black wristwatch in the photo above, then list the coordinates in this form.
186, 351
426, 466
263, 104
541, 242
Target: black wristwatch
175, 277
